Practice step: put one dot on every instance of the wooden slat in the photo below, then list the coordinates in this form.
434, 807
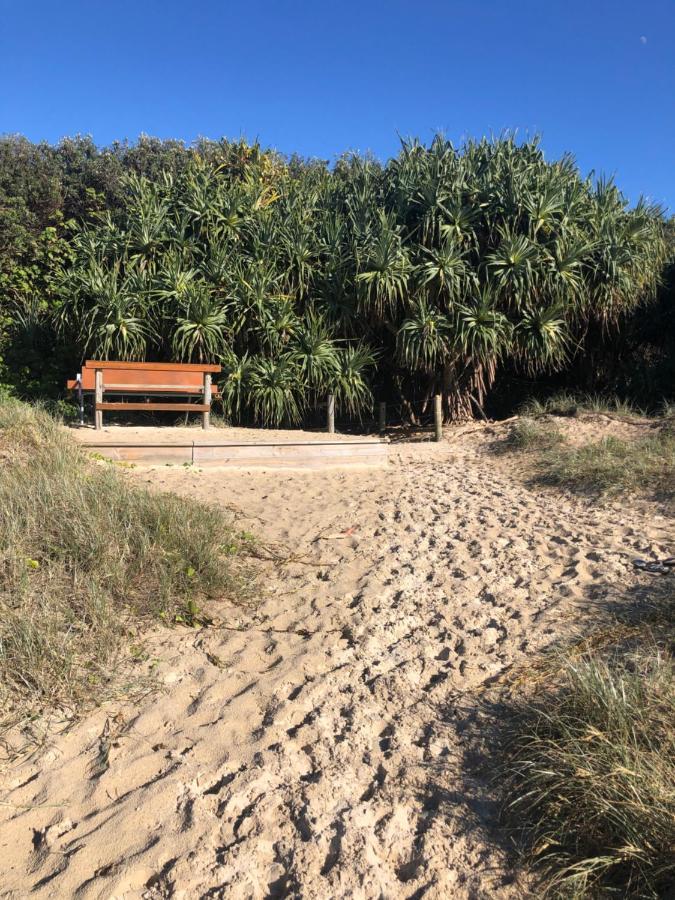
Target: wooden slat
300, 456
149, 366
148, 388
151, 456
165, 407
118, 386
156, 388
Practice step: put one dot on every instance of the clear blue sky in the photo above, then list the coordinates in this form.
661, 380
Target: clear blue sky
594, 77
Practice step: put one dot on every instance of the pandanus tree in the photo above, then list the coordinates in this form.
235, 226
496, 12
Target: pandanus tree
430, 274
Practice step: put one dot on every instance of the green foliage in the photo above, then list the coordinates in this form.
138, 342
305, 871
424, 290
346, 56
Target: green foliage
275, 390
446, 267
590, 767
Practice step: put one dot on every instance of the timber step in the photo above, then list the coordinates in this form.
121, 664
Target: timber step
297, 455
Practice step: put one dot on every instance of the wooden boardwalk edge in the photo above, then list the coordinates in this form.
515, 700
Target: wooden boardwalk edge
282, 455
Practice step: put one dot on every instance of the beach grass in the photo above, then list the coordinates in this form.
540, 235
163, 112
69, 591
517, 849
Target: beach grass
88, 559
570, 404
589, 766
612, 465
532, 434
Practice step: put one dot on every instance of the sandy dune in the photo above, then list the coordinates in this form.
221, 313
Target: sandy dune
316, 747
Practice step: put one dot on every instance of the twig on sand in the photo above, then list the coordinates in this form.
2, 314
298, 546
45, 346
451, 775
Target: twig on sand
337, 535
278, 554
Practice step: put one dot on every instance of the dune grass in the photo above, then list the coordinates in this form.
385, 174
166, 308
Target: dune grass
567, 404
532, 434
610, 465
613, 465
86, 558
589, 771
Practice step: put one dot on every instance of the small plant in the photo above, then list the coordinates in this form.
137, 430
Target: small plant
596, 403
667, 412
559, 405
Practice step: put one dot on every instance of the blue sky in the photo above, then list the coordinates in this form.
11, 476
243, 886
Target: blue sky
596, 78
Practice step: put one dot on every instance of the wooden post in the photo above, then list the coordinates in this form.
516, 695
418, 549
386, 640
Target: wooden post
206, 416
438, 418
383, 417
331, 414
98, 398
80, 397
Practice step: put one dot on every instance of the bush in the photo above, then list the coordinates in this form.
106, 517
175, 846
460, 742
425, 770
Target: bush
85, 556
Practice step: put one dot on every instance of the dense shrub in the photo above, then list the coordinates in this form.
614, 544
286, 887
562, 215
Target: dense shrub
440, 271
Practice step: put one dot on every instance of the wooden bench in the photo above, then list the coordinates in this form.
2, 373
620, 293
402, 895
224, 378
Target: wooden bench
150, 379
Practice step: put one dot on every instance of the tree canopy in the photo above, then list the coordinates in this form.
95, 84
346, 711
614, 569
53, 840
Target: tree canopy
436, 272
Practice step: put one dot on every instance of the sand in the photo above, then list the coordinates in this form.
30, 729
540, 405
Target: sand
324, 744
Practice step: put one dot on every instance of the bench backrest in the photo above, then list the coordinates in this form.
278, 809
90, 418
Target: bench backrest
144, 377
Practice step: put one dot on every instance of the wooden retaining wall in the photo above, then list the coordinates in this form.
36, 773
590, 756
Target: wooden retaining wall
306, 455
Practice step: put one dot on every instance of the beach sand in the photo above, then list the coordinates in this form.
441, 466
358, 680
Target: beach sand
334, 741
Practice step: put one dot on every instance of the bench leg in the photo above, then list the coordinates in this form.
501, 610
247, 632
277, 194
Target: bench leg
98, 398
206, 416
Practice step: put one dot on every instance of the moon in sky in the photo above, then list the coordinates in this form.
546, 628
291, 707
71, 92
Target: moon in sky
643, 39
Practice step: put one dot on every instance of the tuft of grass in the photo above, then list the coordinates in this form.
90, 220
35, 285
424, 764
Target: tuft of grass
85, 557
589, 775
561, 404
532, 434
667, 412
565, 404
612, 465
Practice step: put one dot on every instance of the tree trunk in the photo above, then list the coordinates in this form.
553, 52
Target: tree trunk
464, 395
456, 402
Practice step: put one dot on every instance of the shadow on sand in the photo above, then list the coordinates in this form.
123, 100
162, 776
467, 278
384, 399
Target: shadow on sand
466, 785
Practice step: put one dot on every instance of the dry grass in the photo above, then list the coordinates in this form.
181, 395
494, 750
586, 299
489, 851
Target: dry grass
86, 557
590, 767
532, 434
613, 465
645, 464
565, 404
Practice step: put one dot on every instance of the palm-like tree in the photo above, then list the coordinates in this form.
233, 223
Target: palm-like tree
432, 272
350, 385
385, 271
200, 327
424, 339
276, 390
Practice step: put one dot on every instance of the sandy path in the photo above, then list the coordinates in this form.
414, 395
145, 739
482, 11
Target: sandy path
316, 748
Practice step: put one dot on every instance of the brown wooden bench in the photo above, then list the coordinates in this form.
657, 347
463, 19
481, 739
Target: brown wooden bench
149, 379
